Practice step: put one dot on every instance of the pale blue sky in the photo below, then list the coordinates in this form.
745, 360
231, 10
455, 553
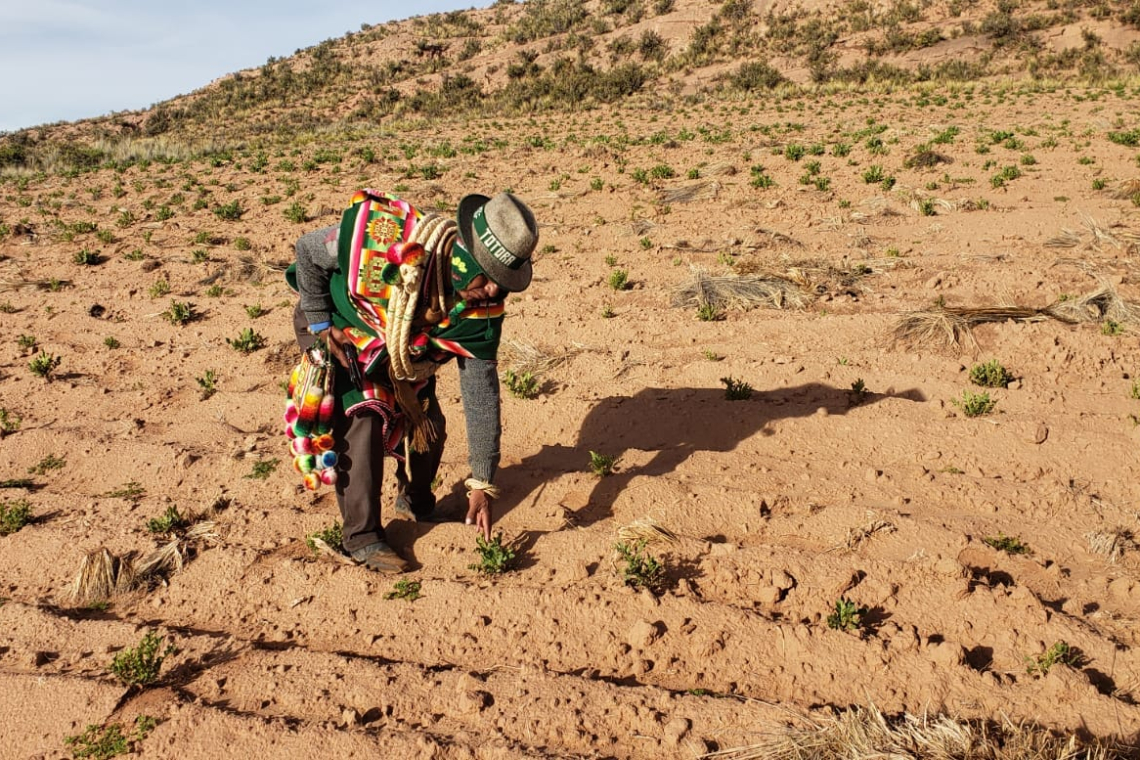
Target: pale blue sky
63, 60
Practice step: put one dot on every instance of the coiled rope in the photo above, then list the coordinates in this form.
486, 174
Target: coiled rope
436, 234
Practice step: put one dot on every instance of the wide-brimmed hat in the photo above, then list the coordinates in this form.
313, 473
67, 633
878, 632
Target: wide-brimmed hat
501, 234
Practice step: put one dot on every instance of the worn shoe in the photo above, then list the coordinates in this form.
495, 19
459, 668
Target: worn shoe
380, 557
405, 509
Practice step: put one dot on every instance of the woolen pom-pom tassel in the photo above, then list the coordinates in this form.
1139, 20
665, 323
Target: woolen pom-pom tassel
312, 481
326, 459
323, 442
328, 476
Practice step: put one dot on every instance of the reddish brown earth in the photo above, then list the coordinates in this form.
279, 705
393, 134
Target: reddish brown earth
283, 654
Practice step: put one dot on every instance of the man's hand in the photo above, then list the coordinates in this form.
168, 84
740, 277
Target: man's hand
479, 512
334, 337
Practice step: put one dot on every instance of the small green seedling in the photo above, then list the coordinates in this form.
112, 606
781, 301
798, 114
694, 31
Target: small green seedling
1111, 327
619, 279
179, 313
159, 289
27, 343
254, 311
1058, 654
1007, 544
1135, 393
711, 356
44, 365
847, 616
9, 422
736, 390
105, 742
111, 342
263, 468
332, 536
131, 491
708, 312
641, 570
858, 392
524, 386
494, 558
206, 384
990, 375
608, 311
170, 522
140, 666
404, 589
14, 515
47, 464
602, 464
974, 404
247, 341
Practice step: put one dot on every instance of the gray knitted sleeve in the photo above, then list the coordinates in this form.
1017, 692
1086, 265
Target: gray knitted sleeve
316, 261
479, 387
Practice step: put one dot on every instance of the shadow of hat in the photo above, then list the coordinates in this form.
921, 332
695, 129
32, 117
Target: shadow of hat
501, 234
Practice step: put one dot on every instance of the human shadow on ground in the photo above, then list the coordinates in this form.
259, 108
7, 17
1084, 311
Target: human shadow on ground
673, 424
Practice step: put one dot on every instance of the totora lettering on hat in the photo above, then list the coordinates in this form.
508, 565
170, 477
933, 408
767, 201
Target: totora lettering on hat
501, 234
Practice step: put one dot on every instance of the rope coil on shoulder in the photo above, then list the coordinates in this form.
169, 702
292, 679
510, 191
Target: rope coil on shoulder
436, 234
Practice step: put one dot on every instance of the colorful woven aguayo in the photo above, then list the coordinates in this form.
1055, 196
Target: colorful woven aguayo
374, 223
308, 417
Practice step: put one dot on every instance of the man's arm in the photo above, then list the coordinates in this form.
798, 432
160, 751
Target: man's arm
316, 261
479, 388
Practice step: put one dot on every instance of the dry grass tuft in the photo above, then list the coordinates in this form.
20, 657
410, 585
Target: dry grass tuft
1097, 306
866, 734
524, 357
856, 536
1112, 544
648, 530
1067, 239
744, 291
102, 575
1125, 189
947, 327
700, 191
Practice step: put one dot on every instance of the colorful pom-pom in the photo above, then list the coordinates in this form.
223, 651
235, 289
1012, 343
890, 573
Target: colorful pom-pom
302, 445
312, 481
289, 432
326, 459
291, 412
323, 442
304, 463
328, 476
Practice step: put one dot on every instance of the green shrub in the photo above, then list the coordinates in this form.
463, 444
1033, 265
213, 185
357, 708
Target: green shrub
14, 515
736, 390
602, 464
1007, 544
990, 375
524, 386
494, 558
170, 522
641, 570
332, 536
847, 616
140, 666
44, 365
405, 589
1058, 654
619, 279
229, 212
974, 404
247, 341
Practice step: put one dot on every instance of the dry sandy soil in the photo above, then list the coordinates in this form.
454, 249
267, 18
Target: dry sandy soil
782, 503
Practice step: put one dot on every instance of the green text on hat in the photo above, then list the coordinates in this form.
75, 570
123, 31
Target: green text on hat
492, 243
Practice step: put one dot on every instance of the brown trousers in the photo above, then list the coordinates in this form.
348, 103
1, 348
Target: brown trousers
360, 462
